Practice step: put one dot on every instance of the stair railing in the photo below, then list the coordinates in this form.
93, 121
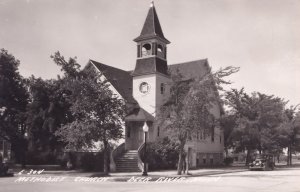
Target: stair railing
118, 151
140, 153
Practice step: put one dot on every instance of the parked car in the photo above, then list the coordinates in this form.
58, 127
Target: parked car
263, 162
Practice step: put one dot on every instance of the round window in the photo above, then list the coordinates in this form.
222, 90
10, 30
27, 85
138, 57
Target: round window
144, 87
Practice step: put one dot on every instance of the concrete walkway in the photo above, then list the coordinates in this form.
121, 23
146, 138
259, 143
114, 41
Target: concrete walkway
168, 175
124, 177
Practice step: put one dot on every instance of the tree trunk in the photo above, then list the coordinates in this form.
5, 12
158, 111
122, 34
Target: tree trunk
181, 158
180, 162
23, 152
226, 152
248, 157
105, 156
23, 160
187, 161
290, 156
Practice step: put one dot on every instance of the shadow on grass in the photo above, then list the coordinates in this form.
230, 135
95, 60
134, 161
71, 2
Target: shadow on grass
7, 175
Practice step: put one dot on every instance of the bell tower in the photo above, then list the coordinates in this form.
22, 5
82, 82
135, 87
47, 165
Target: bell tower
151, 46
150, 76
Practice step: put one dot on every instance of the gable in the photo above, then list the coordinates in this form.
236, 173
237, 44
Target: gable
121, 80
190, 70
194, 69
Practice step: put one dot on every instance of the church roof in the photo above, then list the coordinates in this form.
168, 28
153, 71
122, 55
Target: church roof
191, 69
139, 114
151, 27
149, 66
121, 80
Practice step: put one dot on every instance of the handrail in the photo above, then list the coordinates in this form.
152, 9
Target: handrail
140, 152
114, 154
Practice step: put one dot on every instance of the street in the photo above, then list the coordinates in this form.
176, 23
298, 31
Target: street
281, 180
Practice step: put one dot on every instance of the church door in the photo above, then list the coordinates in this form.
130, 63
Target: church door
139, 138
136, 138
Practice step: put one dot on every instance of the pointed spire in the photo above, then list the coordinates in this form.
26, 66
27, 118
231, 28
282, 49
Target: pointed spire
152, 4
151, 26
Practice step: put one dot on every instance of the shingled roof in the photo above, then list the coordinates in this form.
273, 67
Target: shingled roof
139, 114
151, 27
121, 80
191, 69
149, 66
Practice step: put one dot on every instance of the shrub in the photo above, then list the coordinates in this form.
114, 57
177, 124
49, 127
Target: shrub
92, 161
41, 158
228, 161
162, 154
68, 160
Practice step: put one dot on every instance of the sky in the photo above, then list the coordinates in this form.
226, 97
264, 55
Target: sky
259, 36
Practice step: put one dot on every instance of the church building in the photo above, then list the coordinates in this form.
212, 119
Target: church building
145, 89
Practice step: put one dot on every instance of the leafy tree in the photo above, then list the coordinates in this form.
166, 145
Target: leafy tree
289, 131
188, 110
13, 101
98, 114
46, 111
228, 123
257, 118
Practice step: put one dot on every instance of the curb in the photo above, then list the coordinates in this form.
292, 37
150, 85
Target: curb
97, 177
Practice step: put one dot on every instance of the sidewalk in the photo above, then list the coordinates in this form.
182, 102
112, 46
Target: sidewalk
166, 175
124, 177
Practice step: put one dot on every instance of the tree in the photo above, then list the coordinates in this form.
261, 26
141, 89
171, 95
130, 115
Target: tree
289, 131
257, 118
46, 111
227, 123
188, 110
98, 114
13, 101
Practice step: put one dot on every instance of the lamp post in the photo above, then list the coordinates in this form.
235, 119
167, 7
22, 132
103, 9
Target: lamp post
145, 129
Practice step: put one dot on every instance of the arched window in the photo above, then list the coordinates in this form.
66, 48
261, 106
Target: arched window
128, 132
159, 48
162, 88
146, 49
213, 134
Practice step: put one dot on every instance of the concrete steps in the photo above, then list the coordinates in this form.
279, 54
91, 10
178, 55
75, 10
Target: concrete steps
128, 162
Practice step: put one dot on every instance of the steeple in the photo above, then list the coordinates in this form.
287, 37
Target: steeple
151, 47
152, 27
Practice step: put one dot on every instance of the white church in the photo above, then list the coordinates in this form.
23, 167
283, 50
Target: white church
145, 89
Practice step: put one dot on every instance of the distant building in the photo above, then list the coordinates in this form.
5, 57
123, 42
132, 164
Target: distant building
147, 87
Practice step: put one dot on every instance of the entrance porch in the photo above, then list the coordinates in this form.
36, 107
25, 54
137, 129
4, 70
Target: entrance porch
127, 156
134, 134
